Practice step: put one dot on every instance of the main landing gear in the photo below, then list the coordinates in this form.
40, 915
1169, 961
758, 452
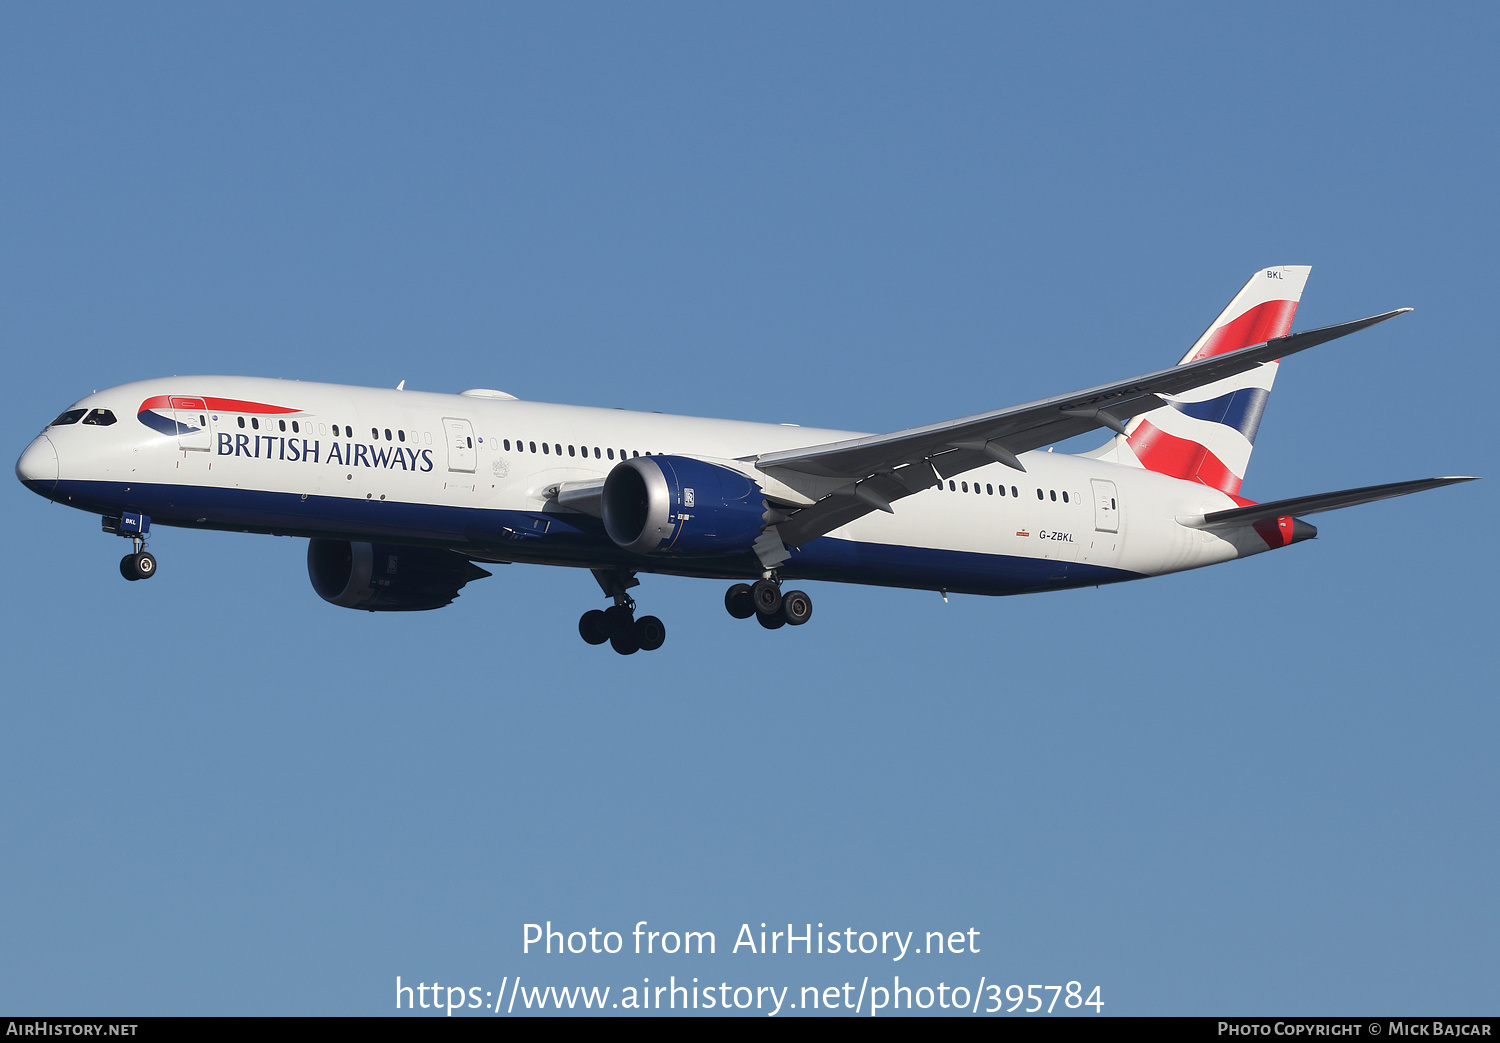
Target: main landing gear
139, 563
764, 600
617, 624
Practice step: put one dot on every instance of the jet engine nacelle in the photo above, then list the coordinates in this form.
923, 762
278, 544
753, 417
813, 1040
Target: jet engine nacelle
387, 577
678, 505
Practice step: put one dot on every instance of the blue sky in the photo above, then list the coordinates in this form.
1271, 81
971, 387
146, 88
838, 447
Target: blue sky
1267, 787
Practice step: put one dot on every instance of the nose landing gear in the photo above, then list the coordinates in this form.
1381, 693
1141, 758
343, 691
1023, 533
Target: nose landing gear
617, 624
140, 563
764, 600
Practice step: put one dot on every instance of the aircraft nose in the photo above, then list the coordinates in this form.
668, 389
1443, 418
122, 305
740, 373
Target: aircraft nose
37, 467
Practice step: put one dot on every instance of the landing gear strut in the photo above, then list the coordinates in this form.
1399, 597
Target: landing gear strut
764, 600
140, 563
617, 624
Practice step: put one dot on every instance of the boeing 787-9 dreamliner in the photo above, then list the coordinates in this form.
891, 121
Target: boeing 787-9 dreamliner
405, 495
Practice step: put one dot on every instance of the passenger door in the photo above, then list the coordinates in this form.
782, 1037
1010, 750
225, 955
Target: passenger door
193, 431
1106, 506
462, 453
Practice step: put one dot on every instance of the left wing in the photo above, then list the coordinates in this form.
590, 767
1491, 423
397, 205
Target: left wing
872, 472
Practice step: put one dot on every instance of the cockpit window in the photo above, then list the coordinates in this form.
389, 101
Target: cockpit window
99, 417
70, 417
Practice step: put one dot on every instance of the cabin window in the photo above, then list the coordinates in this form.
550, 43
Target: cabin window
596, 452
557, 449
295, 428
99, 417
989, 490
401, 436
544, 448
72, 416
611, 453
1054, 495
470, 441
1040, 495
348, 431
570, 451
281, 425
1065, 497
387, 434
952, 486
1002, 490
965, 486
533, 447
1013, 491
240, 420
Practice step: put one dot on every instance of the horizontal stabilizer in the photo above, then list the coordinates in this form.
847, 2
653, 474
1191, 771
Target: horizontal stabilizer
1315, 504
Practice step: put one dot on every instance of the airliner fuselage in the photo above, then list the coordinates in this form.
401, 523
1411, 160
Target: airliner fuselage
479, 475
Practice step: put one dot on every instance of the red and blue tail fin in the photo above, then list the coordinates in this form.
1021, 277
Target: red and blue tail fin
1207, 434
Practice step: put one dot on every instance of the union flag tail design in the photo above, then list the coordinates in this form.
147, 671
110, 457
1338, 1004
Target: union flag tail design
1207, 434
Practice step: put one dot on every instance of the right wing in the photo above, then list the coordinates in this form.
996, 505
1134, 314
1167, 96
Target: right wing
870, 473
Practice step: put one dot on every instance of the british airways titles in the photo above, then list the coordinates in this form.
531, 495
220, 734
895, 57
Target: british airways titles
345, 454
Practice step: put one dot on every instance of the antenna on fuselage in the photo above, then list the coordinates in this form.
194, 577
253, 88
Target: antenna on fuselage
401, 386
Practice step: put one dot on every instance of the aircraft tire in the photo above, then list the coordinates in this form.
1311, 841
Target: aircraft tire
145, 564
618, 620
650, 632
766, 596
738, 601
592, 627
796, 606
127, 567
625, 644
774, 621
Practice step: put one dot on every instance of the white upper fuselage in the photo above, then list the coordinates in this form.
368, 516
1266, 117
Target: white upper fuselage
368, 463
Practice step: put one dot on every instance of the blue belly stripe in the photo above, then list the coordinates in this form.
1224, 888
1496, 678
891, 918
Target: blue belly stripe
538, 537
